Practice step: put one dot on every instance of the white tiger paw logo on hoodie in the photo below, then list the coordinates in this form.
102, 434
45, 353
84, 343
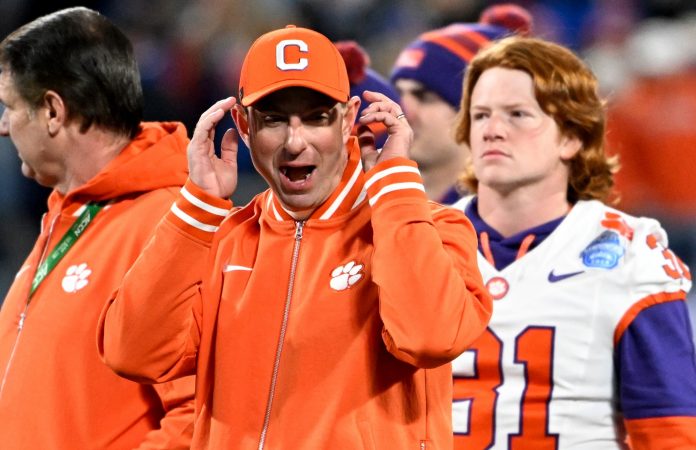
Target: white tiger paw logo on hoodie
345, 276
76, 277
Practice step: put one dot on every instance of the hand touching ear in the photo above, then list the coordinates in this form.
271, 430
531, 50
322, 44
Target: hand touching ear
215, 175
399, 132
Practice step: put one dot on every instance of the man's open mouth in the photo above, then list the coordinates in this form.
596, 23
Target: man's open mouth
295, 174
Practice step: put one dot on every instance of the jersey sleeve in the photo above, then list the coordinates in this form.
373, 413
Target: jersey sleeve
149, 330
432, 300
654, 351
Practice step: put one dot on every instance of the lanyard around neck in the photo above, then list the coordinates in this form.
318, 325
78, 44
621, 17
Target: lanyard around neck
66, 242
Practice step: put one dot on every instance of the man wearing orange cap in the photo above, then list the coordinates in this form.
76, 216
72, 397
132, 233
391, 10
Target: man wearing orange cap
325, 312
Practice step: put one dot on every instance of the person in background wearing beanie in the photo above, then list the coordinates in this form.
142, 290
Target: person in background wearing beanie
362, 78
428, 75
73, 103
324, 314
589, 346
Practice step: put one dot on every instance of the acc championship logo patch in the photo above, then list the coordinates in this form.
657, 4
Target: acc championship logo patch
604, 252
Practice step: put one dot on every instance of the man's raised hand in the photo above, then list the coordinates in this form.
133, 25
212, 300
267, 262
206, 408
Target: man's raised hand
215, 175
399, 132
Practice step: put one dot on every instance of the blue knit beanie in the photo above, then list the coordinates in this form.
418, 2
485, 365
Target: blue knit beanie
438, 59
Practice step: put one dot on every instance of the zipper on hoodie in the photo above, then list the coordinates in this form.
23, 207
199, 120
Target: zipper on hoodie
299, 225
23, 314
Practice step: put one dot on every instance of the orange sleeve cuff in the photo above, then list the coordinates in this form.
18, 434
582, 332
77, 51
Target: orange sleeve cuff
198, 213
662, 433
393, 179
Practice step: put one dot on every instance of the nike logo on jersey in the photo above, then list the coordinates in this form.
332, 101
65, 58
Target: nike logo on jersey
553, 278
233, 268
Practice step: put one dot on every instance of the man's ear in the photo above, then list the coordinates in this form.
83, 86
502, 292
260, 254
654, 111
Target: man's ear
350, 115
570, 146
241, 120
54, 112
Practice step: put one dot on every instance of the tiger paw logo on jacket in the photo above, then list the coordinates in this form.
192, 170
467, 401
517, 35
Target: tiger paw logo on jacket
345, 276
76, 278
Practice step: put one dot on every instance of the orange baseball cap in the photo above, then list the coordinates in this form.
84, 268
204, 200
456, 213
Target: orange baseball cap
292, 57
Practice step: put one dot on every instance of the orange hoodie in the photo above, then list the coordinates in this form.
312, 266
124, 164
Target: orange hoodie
331, 333
55, 392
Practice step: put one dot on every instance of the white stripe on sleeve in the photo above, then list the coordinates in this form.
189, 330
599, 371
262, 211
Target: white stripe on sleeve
203, 205
392, 170
395, 187
191, 221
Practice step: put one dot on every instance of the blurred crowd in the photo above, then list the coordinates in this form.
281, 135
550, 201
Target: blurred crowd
644, 52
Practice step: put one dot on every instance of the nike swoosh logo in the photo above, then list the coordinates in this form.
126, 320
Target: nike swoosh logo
233, 268
553, 278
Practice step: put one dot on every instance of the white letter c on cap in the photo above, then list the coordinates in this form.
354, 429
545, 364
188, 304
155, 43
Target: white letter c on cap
280, 55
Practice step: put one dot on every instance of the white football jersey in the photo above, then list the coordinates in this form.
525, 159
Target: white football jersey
543, 374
